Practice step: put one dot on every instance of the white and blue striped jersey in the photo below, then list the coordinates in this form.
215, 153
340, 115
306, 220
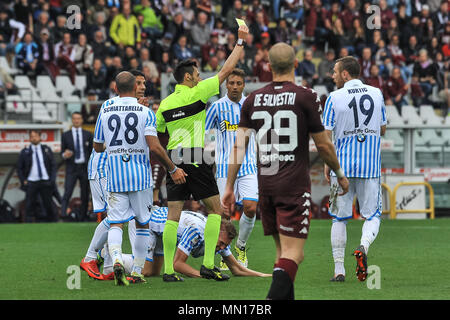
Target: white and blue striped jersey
122, 125
355, 114
190, 235
224, 116
97, 165
158, 219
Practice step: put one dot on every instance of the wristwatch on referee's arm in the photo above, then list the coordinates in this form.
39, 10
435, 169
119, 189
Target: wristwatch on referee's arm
240, 42
173, 170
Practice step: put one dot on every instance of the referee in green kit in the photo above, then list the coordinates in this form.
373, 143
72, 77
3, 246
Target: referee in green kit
183, 115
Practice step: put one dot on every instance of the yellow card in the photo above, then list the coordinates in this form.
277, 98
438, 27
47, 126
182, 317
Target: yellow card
240, 22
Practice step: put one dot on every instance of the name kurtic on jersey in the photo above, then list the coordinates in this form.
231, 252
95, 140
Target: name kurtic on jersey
121, 108
357, 90
274, 100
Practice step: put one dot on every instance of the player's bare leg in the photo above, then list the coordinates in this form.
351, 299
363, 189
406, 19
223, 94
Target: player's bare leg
170, 240
289, 256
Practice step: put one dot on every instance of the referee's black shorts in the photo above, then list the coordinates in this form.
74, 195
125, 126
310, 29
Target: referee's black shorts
200, 183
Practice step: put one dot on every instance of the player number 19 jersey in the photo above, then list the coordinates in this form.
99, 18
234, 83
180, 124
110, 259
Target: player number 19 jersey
355, 114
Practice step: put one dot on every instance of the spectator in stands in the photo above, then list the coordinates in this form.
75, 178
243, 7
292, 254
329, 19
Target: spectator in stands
200, 32
441, 17
144, 58
210, 48
343, 52
284, 32
411, 52
204, 6
258, 27
165, 66
219, 28
129, 54
36, 169
90, 110
386, 67
125, 30
386, 15
366, 62
307, 69
433, 47
265, 41
96, 79
84, 55
261, 69
325, 70
236, 12
188, 14
253, 9
358, 37
339, 38
151, 85
417, 94
212, 65
374, 79
426, 70
245, 65
76, 146
94, 9
24, 14
99, 47
59, 30
176, 27
27, 55
382, 52
293, 9
151, 25
414, 30
98, 25
7, 31
395, 90
46, 63
65, 56
181, 51
316, 24
349, 14
43, 22
6, 84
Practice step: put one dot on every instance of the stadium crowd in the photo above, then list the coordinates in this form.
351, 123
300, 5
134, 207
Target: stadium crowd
408, 57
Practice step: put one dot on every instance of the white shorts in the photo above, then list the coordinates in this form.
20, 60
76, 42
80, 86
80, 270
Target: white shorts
140, 202
99, 194
245, 188
368, 193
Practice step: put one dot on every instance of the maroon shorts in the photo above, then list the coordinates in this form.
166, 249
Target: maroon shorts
288, 215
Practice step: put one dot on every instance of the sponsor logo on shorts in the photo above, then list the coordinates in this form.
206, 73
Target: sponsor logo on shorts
289, 229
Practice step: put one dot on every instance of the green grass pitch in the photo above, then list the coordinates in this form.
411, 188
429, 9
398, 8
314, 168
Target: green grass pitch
413, 257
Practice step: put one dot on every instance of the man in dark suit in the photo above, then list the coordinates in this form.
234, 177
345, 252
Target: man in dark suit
76, 146
36, 169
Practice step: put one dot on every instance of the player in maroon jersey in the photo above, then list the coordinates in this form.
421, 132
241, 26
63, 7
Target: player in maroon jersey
283, 116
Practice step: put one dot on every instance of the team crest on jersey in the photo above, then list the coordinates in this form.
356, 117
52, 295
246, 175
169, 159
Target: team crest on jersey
361, 137
125, 157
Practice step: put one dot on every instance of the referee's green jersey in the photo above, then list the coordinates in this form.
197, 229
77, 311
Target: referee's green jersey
183, 114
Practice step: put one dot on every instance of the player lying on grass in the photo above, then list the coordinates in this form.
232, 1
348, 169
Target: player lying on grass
190, 236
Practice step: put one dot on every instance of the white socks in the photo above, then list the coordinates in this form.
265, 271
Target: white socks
141, 244
115, 244
246, 225
369, 232
98, 240
338, 242
132, 235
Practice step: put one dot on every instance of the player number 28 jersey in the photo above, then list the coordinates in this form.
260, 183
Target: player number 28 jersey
122, 125
355, 114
